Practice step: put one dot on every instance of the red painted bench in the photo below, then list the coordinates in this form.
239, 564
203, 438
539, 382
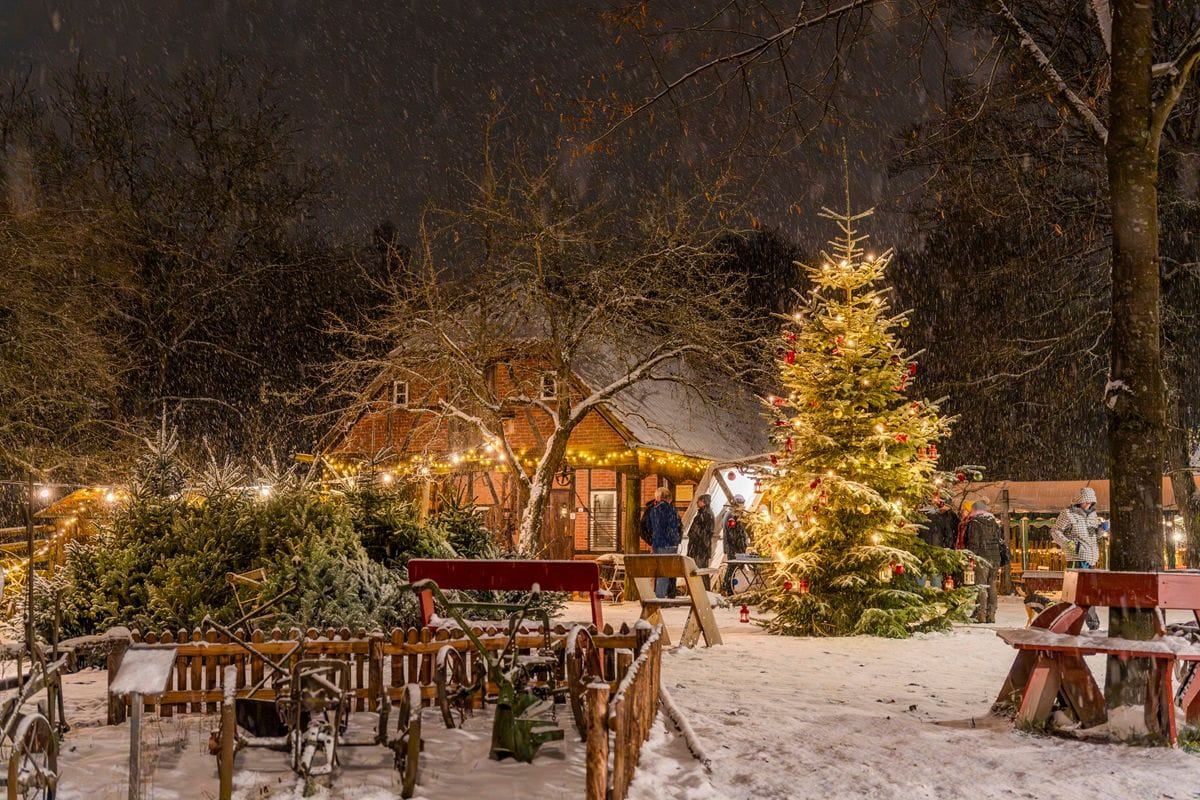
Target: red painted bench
1050, 652
508, 576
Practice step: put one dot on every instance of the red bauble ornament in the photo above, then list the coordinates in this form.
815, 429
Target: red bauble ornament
789, 357
731, 475
787, 586
961, 477
898, 569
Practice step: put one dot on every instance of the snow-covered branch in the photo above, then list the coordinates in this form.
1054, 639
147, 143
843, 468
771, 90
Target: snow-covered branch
1179, 70
1077, 104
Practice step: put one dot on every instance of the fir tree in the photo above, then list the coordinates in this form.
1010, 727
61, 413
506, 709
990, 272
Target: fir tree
856, 461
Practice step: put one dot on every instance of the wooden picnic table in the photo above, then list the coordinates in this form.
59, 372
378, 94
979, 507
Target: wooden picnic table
1050, 652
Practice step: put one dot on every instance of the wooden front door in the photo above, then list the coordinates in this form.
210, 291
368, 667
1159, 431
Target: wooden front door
559, 530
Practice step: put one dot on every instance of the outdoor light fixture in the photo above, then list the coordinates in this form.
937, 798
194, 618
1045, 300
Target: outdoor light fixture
44, 492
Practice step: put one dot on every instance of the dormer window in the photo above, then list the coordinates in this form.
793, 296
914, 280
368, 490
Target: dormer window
549, 386
400, 394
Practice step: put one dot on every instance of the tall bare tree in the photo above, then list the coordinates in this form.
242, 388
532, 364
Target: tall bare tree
528, 282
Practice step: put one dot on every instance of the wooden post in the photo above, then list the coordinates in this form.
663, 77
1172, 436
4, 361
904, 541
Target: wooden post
1006, 585
116, 705
135, 746
597, 741
228, 735
629, 524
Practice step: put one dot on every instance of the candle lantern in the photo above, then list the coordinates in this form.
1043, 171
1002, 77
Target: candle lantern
744, 614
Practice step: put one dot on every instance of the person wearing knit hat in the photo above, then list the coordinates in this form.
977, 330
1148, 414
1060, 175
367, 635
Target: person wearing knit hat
1076, 531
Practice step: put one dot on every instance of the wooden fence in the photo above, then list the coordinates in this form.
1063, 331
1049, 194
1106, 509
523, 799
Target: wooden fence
620, 720
379, 662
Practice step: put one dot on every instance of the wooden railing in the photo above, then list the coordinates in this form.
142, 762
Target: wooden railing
620, 720
380, 662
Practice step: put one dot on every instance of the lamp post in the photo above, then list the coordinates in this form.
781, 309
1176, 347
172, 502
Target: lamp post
29, 567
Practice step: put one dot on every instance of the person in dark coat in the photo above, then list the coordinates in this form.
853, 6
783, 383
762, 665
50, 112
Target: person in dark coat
666, 532
942, 528
700, 535
737, 539
983, 537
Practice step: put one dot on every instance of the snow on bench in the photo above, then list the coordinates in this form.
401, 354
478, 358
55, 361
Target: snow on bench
1173, 647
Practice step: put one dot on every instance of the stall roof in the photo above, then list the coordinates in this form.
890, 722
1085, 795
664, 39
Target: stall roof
1047, 497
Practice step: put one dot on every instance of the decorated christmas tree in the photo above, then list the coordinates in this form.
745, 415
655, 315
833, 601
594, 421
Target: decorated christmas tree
856, 461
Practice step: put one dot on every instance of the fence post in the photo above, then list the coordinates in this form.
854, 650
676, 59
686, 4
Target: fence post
597, 741
375, 671
116, 705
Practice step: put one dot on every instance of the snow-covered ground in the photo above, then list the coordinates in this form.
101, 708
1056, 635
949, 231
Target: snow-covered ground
779, 717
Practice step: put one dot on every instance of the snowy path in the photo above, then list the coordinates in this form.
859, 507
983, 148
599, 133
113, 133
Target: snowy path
860, 717
780, 717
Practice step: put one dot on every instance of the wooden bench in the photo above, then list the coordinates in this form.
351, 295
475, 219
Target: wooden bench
1049, 663
644, 569
508, 576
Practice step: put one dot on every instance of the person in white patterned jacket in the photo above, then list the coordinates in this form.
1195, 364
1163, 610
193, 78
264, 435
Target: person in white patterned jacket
1077, 531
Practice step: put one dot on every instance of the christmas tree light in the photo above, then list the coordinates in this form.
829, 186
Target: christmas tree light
856, 461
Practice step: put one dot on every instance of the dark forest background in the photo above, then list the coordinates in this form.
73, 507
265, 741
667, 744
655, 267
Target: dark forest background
190, 200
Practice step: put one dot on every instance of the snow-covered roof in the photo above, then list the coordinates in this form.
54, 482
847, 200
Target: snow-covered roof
719, 419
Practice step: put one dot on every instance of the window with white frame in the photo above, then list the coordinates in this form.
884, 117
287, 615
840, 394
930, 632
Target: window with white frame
400, 393
602, 522
549, 386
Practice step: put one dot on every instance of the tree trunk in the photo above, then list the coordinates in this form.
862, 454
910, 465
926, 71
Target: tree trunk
533, 511
1135, 396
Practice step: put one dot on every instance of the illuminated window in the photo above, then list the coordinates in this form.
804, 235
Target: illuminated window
602, 522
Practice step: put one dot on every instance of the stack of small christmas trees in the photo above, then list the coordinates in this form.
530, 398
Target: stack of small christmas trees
856, 461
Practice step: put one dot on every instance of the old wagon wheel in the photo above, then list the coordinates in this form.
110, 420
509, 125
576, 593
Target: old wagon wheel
453, 693
33, 762
407, 746
583, 666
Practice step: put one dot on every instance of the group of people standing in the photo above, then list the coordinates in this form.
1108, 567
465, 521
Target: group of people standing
662, 529
1077, 530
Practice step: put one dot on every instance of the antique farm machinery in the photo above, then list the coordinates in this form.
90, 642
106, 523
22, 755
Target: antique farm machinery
525, 688
312, 705
29, 736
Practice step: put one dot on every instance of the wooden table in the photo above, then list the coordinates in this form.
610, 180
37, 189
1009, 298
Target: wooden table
1050, 665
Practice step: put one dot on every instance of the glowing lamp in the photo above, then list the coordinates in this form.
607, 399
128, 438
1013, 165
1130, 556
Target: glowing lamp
744, 614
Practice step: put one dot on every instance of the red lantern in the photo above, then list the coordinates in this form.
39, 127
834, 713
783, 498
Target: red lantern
948, 583
803, 586
912, 368
774, 460
787, 586
744, 614
790, 357
816, 482
933, 452
787, 444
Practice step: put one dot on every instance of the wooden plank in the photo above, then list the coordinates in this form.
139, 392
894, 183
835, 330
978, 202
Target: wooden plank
1038, 698
1081, 692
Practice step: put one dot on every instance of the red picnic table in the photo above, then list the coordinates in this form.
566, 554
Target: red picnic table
1050, 665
